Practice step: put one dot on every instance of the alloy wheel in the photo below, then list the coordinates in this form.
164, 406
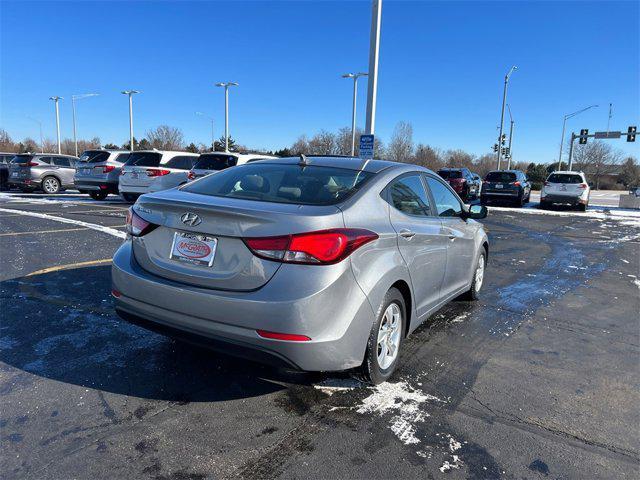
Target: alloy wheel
389, 336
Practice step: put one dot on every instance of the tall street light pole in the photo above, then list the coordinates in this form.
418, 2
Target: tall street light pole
564, 124
226, 86
73, 106
213, 142
40, 125
355, 77
510, 137
504, 102
56, 99
130, 93
374, 50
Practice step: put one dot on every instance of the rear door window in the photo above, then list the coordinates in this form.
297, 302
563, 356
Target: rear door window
215, 162
143, 159
564, 178
501, 177
408, 195
447, 204
181, 162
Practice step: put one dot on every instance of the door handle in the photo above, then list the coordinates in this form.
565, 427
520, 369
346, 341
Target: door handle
452, 237
407, 233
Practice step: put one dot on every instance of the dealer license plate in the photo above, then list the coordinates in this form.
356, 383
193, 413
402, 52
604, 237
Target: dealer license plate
193, 248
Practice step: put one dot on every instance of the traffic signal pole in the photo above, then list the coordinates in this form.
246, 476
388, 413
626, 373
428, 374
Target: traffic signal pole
584, 135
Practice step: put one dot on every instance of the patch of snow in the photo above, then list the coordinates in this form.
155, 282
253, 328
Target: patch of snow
460, 318
334, 385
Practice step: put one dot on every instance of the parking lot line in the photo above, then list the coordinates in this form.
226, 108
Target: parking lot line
60, 230
70, 266
92, 226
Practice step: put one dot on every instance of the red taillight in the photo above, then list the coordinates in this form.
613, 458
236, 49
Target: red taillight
322, 247
290, 337
583, 185
136, 225
32, 164
108, 168
191, 175
157, 172
515, 184
115, 293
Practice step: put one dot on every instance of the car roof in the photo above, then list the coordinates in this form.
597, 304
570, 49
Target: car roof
352, 163
452, 168
567, 171
177, 152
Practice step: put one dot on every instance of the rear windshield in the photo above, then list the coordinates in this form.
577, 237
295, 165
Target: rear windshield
21, 158
94, 156
564, 178
215, 162
446, 174
144, 159
290, 183
501, 177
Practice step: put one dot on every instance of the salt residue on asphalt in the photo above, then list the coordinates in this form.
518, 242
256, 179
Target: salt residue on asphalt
334, 385
404, 403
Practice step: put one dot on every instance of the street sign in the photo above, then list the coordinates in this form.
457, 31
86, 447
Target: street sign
608, 134
366, 146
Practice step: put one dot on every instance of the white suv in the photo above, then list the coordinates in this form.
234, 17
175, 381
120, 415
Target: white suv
565, 188
144, 166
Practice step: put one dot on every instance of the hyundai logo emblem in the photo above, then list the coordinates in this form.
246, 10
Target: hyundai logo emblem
190, 219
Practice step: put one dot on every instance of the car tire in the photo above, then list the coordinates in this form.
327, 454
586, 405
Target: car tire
582, 207
478, 277
543, 205
130, 197
483, 201
51, 185
98, 194
391, 317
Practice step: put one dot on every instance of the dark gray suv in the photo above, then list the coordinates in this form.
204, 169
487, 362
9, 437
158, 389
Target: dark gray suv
48, 172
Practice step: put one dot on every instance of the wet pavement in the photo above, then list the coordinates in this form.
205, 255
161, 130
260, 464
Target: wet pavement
538, 379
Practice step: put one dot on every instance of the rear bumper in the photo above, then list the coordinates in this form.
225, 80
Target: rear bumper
95, 185
505, 195
24, 183
564, 199
336, 316
124, 188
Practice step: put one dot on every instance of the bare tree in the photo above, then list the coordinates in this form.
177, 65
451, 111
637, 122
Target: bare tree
343, 141
596, 160
401, 145
301, 145
166, 138
6, 143
323, 143
484, 164
427, 156
458, 159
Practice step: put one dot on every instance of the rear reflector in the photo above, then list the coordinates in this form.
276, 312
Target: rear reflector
191, 175
289, 337
115, 293
108, 168
314, 248
157, 172
136, 225
32, 164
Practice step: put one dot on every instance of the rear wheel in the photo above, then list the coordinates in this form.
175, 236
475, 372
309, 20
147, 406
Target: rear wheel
582, 207
98, 194
50, 185
478, 278
130, 197
383, 346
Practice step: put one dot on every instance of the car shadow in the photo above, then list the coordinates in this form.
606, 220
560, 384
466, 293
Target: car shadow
61, 325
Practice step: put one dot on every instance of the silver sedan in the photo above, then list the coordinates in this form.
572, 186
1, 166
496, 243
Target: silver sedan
317, 263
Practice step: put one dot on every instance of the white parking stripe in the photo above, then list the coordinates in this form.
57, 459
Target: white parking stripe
92, 226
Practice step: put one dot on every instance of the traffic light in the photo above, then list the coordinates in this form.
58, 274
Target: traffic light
631, 134
503, 138
495, 147
583, 136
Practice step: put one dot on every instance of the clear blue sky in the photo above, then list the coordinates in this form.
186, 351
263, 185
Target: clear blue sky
441, 68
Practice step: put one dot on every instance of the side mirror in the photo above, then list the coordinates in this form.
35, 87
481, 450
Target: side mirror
477, 212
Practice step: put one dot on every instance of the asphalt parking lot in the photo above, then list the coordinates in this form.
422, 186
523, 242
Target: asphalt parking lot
538, 379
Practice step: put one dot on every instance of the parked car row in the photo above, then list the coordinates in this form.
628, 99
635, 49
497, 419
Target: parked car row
48, 172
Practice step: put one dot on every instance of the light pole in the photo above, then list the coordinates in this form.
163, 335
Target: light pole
226, 86
374, 50
40, 125
504, 102
56, 99
564, 124
355, 77
213, 142
131, 93
510, 137
73, 106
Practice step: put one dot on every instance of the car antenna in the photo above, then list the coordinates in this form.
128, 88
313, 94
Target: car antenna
303, 161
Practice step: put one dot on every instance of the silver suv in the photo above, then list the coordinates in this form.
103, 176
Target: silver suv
48, 172
98, 172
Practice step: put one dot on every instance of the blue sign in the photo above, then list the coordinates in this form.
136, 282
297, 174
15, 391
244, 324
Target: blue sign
366, 147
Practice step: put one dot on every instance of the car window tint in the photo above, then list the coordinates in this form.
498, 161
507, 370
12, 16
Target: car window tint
181, 162
61, 161
143, 159
215, 162
447, 174
123, 157
408, 195
94, 156
564, 178
501, 177
447, 204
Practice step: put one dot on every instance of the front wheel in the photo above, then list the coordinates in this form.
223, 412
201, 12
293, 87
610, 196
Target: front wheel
385, 340
130, 197
51, 185
478, 278
98, 194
